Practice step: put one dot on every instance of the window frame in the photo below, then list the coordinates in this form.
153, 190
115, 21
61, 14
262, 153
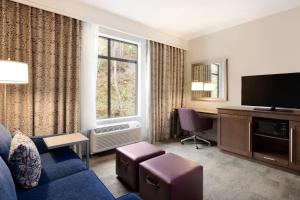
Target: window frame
109, 59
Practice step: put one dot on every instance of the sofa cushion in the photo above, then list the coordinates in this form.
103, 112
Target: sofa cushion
24, 161
7, 186
59, 163
5, 140
79, 186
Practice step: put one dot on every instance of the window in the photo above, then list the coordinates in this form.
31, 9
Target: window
215, 80
116, 78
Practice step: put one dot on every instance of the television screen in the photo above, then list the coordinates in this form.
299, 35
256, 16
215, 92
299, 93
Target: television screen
275, 90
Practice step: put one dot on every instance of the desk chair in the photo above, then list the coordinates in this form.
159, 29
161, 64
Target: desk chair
190, 121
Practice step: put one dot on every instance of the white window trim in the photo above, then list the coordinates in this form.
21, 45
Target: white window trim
130, 39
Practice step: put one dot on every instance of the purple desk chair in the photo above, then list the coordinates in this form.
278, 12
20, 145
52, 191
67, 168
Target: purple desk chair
190, 121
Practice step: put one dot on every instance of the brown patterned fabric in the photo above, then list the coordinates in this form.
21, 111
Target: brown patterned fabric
167, 83
50, 44
202, 73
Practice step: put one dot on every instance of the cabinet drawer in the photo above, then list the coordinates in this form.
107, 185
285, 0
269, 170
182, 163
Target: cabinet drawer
275, 159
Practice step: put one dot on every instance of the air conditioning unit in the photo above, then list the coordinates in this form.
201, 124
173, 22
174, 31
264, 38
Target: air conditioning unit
111, 136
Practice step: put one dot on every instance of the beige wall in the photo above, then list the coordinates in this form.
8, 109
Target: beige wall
265, 46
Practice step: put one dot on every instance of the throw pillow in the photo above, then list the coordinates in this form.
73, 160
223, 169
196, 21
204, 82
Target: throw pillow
24, 161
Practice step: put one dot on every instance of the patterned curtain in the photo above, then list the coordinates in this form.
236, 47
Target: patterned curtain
50, 44
167, 83
202, 73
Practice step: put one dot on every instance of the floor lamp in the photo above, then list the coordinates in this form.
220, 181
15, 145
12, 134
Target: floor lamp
12, 72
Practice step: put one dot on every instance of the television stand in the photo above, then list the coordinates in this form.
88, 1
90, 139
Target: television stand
274, 109
274, 140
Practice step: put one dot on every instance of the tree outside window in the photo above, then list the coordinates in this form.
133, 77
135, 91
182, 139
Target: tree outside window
116, 78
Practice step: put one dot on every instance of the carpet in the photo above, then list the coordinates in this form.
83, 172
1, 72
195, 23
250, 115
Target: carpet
226, 177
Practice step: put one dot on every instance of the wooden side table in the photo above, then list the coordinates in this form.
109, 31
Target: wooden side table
67, 140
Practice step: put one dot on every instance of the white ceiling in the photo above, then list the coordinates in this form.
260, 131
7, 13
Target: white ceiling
188, 19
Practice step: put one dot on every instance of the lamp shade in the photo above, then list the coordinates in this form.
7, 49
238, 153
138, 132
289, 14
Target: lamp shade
209, 87
13, 72
197, 86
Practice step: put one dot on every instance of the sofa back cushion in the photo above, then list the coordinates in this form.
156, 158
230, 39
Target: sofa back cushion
7, 186
5, 140
24, 161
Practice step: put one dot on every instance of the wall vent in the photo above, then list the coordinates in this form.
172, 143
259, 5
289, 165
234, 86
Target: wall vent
111, 136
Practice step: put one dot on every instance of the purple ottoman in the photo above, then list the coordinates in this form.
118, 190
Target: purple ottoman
128, 159
171, 177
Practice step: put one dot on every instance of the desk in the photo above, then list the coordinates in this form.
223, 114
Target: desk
212, 111
208, 113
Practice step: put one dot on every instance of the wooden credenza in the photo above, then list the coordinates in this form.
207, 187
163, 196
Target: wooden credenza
236, 135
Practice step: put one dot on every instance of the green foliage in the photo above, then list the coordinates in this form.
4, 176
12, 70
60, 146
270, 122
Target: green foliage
123, 80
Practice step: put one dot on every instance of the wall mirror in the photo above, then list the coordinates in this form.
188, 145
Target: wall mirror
209, 80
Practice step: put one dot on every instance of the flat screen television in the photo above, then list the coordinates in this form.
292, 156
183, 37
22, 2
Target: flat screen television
274, 90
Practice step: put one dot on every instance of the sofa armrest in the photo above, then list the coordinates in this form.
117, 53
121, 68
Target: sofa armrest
40, 144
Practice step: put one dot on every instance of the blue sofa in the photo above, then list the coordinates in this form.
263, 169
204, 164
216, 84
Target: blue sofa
64, 176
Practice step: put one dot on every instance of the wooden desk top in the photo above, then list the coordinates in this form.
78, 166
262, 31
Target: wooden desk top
205, 112
64, 140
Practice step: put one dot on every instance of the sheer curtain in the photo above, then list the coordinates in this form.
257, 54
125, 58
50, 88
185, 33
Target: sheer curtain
88, 76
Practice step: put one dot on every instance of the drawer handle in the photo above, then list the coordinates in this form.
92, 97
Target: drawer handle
249, 137
152, 183
268, 158
291, 145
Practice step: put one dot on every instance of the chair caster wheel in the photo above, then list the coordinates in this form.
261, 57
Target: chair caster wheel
181, 143
197, 147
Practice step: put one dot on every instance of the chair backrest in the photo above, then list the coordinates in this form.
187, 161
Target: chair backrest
190, 120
